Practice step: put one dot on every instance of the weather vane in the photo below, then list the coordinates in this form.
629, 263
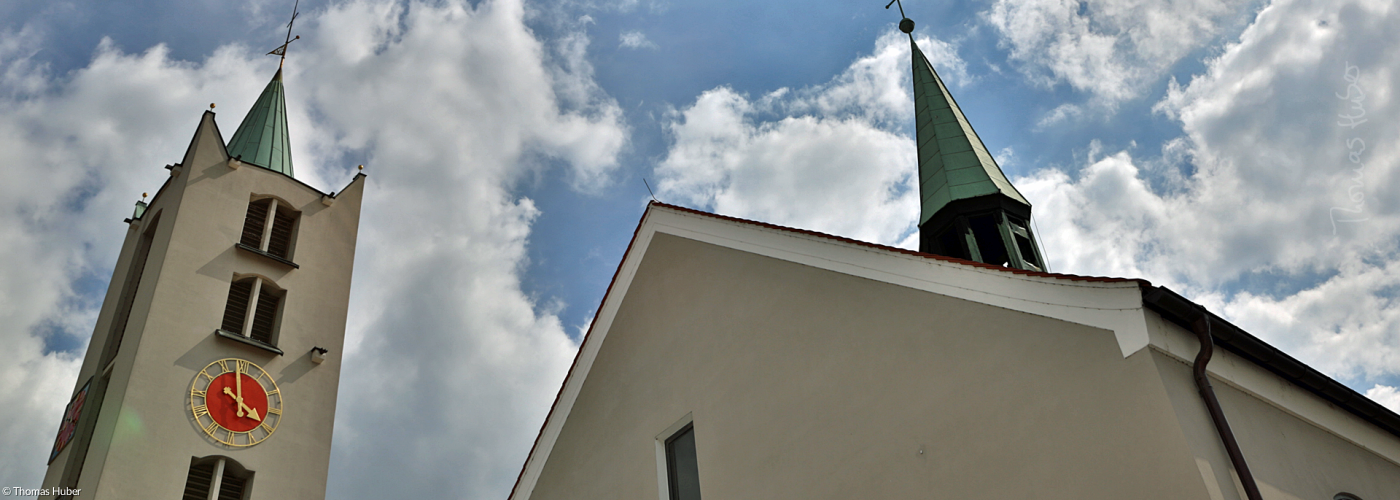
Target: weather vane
905, 24
282, 51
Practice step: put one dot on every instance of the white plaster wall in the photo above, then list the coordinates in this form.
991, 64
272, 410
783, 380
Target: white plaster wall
807, 383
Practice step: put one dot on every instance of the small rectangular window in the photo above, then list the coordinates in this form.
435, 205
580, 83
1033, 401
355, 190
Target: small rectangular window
220, 474
264, 300
239, 294
280, 240
264, 317
200, 479
952, 245
269, 226
682, 468
989, 243
254, 223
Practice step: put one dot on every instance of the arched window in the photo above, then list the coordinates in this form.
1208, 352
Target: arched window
268, 227
217, 478
252, 308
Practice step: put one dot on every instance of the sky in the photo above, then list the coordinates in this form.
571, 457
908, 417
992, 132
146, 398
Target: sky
1242, 153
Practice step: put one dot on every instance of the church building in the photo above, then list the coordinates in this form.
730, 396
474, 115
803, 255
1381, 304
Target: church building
737, 359
213, 368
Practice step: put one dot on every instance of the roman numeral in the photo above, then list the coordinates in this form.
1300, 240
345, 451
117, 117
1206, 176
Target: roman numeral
274, 392
199, 394
201, 410
266, 427
230, 436
209, 429
223, 363
273, 411
242, 366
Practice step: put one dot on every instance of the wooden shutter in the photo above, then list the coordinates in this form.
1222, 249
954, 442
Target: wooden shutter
237, 308
265, 316
280, 244
231, 488
201, 478
254, 223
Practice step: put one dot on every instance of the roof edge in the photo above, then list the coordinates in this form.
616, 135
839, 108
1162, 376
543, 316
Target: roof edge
1183, 312
877, 246
514, 489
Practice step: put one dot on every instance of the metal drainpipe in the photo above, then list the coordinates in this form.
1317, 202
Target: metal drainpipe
1251, 490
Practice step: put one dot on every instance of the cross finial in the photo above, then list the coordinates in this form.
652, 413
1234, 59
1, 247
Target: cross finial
282, 51
905, 24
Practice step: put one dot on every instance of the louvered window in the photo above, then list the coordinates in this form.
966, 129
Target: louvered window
268, 226
252, 308
216, 478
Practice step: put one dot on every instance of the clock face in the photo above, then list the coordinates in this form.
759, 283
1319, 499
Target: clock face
236, 402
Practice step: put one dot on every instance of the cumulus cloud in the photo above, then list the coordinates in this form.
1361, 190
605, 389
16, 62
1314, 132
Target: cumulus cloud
450, 367
829, 158
1111, 49
1278, 205
456, 366
1387, 396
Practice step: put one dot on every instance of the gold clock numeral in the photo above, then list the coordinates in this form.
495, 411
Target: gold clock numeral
274, 392
230, 436
201, 410
223, 363
209, 429
273, 411
206, 374
266, 428
199, 393
242, 366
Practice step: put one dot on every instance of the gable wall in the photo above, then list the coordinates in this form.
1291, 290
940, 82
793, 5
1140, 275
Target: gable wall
806, 383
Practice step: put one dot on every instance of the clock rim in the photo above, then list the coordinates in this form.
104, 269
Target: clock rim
216, 427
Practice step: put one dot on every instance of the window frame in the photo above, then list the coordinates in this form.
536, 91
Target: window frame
663, 465
260, 285
268, 226
224, 467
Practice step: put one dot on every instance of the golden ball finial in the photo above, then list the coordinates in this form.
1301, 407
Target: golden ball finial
211, 105
143, 196
362, 168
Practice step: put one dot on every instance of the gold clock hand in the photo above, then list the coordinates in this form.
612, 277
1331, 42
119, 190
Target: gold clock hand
252, 412
238, 381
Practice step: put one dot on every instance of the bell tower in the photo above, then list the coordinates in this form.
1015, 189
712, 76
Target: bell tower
968, 209
214, 364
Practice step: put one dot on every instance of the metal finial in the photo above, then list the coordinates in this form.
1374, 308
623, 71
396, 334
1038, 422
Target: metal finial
362, 168
211, 105
905, 24
282, 51
143, 196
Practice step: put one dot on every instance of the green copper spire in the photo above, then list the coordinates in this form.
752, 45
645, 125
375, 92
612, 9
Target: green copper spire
262, 137
953, 162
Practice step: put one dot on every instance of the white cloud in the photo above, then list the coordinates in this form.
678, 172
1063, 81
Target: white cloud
635, 40
1239, 212
450, 367
828, 158
1386, 395
1111, 49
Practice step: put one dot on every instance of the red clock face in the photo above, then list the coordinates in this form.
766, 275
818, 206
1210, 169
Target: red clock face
232, 411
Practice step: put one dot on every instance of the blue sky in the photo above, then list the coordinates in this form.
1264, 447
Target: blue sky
1197, 144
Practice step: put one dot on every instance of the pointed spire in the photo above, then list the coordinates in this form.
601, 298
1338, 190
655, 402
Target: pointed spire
953, 162
262, 137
